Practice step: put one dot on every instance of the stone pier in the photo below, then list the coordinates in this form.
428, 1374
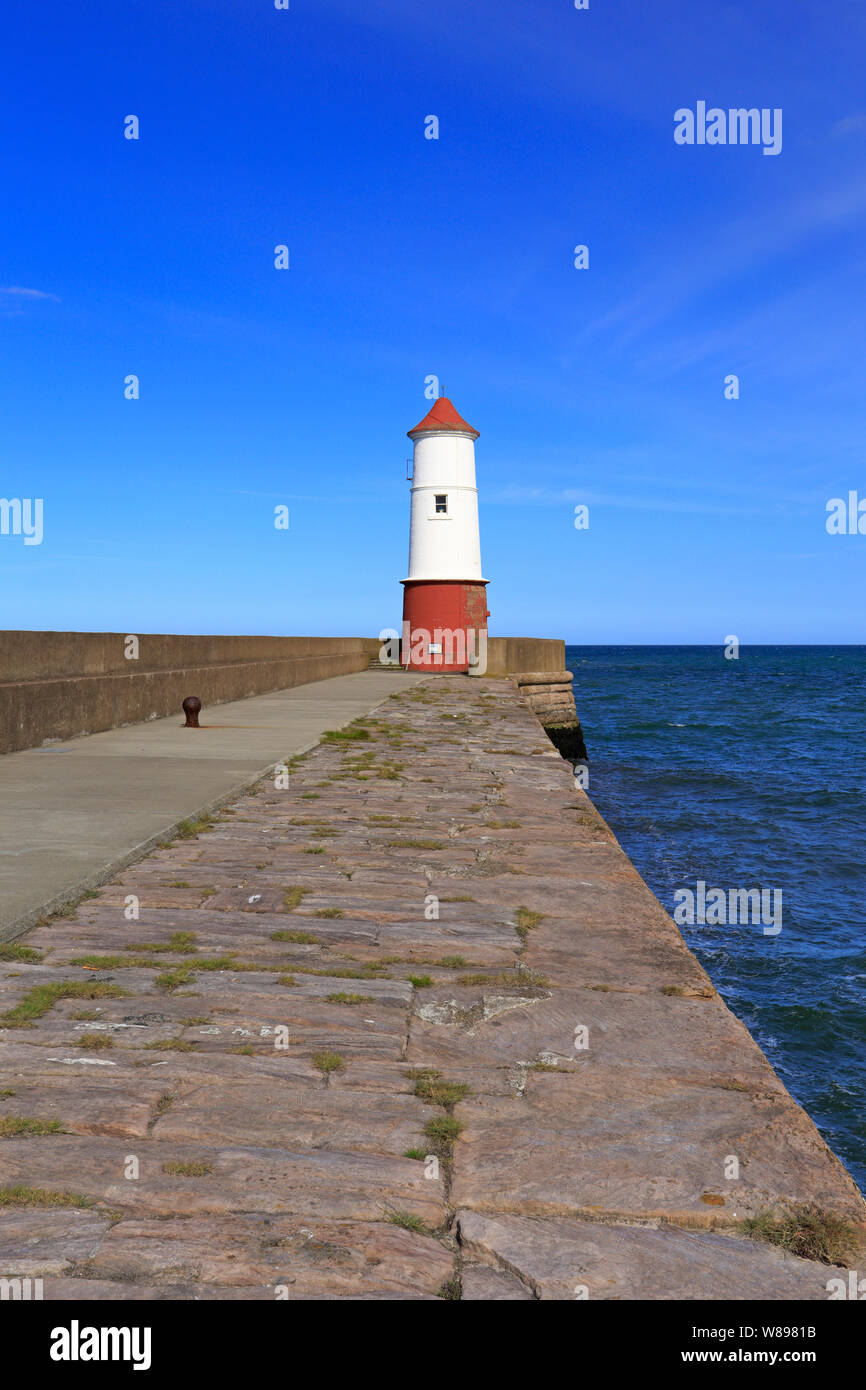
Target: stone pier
550, 696
402, 1023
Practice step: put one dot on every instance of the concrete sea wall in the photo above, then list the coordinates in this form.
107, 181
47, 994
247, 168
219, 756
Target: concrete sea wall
60, 685
506, 656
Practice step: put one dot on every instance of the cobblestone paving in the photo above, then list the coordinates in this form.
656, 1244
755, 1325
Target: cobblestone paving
410, 1026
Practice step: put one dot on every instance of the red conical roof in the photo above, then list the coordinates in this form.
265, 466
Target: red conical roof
442, 419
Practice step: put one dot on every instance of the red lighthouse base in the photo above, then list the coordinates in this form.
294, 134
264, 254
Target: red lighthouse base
443, 620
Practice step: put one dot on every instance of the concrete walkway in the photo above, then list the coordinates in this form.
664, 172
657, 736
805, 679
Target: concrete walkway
73, 813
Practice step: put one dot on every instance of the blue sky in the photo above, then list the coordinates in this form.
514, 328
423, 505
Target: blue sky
451, 257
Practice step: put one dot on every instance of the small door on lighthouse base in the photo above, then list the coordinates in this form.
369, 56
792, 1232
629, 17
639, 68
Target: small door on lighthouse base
444, 594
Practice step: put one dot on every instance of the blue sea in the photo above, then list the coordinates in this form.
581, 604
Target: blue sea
752, 773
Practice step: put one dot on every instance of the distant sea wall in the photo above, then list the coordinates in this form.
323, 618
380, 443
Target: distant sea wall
59, 685
507, 656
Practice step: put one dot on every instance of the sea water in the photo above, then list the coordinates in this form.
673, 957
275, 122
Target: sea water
751, 773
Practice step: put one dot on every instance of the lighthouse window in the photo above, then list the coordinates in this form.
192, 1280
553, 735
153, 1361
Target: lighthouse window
441, 502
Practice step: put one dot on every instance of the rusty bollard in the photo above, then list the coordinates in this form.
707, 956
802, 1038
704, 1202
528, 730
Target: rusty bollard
191, 707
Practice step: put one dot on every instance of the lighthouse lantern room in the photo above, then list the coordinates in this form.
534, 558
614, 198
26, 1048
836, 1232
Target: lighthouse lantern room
444, 596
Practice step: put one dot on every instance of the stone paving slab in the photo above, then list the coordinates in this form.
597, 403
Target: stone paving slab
202, 1178
327, 1044
325, 1257
41, 1243
572, 1259
65, 1290
481, 1285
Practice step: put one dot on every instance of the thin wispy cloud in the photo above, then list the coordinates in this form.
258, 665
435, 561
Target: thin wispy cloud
734, 251
290, 496
850, 125
548, 497
22, 293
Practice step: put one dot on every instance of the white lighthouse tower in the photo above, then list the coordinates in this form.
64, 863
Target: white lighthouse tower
444, 598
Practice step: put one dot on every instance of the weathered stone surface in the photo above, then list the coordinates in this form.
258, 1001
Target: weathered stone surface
311, 1257
35, 1243
64, 1290
100, 1106
587, 1260
481, 1285
435, 896
281, 1116
611, 1140
325, 1183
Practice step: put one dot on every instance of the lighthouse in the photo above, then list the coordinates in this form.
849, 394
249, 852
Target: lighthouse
444, 596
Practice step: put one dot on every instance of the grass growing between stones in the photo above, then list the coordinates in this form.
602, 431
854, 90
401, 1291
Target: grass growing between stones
805, 1230
39, 1000
67, 911
432, 1087
23, 1127
408, 1221
184, 974
442, 1133
182, 943
293, 897
21, 1196
414, 844
343, 998
112, 962
188, 829
526, 920
187, 1170
94, 1042
371, 971
327, 1062
451, 1289
297, 938
13, 950
174, 979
